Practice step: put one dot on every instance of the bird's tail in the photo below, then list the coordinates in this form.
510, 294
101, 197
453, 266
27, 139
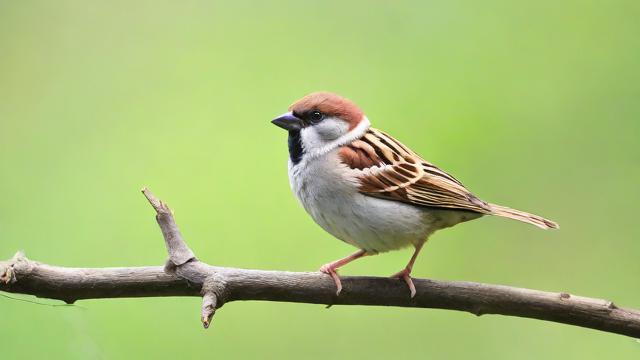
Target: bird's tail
532, 219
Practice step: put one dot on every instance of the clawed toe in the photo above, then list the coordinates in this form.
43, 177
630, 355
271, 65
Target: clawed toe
331, 271
332, 268
405, 275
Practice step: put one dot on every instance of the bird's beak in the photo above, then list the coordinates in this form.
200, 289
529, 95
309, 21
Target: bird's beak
288, 121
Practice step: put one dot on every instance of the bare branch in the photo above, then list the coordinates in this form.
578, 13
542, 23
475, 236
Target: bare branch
184, 275
209, 301
179, 252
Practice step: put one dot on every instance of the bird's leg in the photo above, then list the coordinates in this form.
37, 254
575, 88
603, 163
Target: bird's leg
405, 274
332, 267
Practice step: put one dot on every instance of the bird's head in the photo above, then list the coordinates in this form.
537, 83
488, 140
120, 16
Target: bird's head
322, 121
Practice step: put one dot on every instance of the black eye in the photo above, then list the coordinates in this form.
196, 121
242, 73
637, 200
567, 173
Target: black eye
316, 116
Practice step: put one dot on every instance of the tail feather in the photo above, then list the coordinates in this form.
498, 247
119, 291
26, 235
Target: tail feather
532, 219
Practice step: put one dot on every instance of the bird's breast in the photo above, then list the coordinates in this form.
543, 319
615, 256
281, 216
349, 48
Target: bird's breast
328, 190
322, 185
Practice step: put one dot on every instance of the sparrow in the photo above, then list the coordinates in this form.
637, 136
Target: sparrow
368, 189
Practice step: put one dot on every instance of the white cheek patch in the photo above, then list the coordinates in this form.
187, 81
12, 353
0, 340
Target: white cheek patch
331, 128
315, 137
331, 133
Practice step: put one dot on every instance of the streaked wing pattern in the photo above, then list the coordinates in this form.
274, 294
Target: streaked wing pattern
392, 171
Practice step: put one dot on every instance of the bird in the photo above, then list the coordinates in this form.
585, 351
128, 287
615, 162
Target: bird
368, 189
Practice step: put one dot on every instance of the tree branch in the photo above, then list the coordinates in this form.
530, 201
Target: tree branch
184, 275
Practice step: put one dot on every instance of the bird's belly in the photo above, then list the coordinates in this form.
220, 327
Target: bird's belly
372, 224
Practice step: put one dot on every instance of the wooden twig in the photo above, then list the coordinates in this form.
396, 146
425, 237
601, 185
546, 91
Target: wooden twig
184, 275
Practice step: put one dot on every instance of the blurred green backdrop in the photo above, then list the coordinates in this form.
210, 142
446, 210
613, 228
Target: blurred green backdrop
531, 104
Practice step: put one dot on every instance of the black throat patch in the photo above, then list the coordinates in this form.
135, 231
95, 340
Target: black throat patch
295, 146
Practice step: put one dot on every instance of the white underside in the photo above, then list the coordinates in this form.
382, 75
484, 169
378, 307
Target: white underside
328, 190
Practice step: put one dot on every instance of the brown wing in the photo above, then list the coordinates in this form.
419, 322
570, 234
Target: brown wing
392, 171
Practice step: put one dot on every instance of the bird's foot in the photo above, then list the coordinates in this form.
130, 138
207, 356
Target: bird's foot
330, 269
405, 275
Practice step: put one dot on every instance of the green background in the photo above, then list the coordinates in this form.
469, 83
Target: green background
531, 104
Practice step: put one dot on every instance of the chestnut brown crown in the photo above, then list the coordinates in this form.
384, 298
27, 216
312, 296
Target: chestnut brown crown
331, 105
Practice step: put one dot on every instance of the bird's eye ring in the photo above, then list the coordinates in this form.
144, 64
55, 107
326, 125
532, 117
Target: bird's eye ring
316, 116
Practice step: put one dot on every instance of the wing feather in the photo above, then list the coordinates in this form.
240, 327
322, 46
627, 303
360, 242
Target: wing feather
390, 170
